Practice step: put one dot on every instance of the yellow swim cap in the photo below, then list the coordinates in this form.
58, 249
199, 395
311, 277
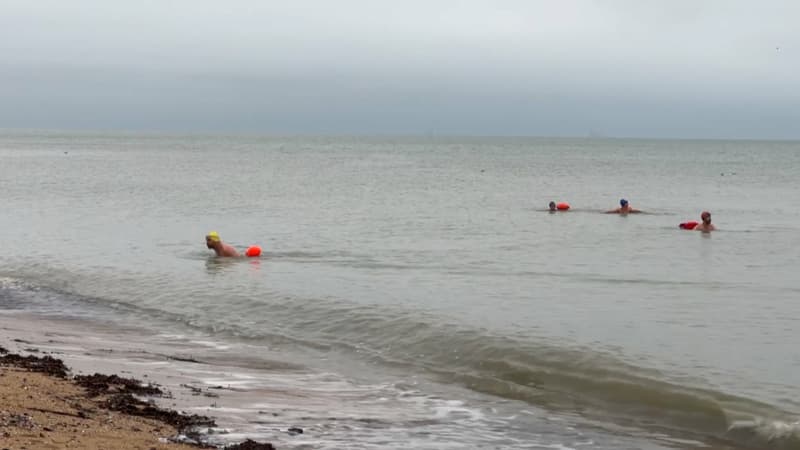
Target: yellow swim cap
213, 235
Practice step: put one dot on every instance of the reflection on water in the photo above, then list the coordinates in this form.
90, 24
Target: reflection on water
216, 265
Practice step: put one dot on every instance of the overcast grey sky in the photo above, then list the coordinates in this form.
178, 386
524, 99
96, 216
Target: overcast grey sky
645, 68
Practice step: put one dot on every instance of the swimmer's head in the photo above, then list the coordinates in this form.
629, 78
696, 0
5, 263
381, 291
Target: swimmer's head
623, 202
552, 206
706, 216
212, 239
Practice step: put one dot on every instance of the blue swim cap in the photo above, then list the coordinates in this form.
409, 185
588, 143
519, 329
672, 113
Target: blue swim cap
623, 202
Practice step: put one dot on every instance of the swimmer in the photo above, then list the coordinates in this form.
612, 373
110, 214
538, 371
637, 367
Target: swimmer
558, 207
706, 226
220, 248
624, 208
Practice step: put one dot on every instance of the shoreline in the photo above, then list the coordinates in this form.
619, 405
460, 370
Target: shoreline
263, 400
40, 411
55, 394
42, 405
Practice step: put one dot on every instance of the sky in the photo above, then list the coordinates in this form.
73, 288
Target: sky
615, 68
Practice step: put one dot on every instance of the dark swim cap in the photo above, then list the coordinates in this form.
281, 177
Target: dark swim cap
623, 202
705, 214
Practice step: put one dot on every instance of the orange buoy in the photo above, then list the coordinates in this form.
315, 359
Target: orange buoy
688, 225
253, 251
563, 206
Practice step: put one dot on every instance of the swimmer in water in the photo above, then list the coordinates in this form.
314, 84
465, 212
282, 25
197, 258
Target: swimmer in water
624, 208
706, 225
220, 248
558, 207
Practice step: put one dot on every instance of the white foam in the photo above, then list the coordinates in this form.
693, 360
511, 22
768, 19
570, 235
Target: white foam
769, 429
456, 412
10, 283
211, 344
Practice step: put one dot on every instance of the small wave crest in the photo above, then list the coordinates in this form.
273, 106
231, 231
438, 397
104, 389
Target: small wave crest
770, 434
547, 374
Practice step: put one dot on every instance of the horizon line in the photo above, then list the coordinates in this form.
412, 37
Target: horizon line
427, 134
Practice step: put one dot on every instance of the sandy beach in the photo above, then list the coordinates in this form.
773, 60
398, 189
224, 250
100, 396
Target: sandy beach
40, 411
45, 404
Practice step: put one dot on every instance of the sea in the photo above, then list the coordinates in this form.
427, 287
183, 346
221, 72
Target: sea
414, 292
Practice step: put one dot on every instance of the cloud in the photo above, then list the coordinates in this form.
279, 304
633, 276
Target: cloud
508, 67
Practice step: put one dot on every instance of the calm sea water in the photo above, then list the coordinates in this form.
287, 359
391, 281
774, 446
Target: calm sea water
433, 260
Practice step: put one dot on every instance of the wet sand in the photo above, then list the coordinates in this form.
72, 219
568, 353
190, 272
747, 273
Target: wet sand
41, 411
44, 404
